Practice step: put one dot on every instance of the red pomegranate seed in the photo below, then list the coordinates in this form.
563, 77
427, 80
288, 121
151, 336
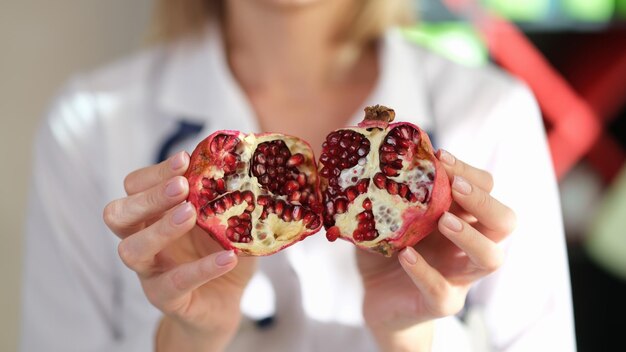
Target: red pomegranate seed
295, 160
304, 197
315, 223
380, 180
207, 211
295, 196
362, 216
279, 208
392, 187
248, 196
219, 207
333, 234
233, 221
236, 196
287, 213
403, 191
301, 179
388, 157
308, 218
340, 206
228, 201
366, 225
390, 171
297, 212
362, 186
367, 204
264, 200
259, 169
220, 185
291, 186
370, 235
351, 193
405, 144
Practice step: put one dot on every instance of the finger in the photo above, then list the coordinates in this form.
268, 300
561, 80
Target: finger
187, 277
454, 166
437, 292
126, 215
481, 251
138, 250
147, 177
457, 210
496, 219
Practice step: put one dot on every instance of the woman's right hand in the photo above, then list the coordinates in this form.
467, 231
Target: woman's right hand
183, 271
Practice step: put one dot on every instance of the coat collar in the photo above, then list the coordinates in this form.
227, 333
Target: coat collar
197, 84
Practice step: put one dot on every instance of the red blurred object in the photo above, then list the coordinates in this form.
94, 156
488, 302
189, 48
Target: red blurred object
596, 67
575, 118
575, 125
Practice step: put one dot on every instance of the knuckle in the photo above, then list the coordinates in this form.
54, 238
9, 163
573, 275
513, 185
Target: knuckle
483, 199
129, 183
488, 180
494, 262
163, 170
448, 304
154, 298
460, 168
125, 253
153, 197
509, 220
177, 280
111, 213
440, 291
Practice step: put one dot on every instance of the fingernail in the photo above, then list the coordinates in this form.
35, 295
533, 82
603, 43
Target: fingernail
461, 185
446, 157
182, 214
225, 258
177, 161
174, 187
451, 222
408, 254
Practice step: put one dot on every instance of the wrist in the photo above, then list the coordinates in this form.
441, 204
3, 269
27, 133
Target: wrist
415, 338
174, 335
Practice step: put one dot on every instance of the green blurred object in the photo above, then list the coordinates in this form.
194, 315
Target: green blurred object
521, 10
620, 8
589, 10
457, 41
606, 242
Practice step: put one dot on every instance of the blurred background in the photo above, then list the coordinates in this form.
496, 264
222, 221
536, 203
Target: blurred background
572, 53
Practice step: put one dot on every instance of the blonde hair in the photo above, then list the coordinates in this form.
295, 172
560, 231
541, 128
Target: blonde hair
174, 19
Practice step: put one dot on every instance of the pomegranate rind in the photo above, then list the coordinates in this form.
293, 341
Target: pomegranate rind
204, 163
417, 221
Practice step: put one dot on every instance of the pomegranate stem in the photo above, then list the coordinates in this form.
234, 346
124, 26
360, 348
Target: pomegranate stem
377, 116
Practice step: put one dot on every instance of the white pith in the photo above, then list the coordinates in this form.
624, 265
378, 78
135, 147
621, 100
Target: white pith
387, 208
271, 233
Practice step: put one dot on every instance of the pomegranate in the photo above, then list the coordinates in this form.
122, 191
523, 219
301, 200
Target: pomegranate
382, 186
255, 193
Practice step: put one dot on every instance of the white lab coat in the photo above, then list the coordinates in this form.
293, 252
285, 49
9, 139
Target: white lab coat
78, 296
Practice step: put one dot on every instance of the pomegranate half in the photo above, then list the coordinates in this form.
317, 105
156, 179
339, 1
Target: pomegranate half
382, 186
255, 193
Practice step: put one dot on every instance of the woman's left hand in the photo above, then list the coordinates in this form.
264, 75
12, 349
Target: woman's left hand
432, 280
